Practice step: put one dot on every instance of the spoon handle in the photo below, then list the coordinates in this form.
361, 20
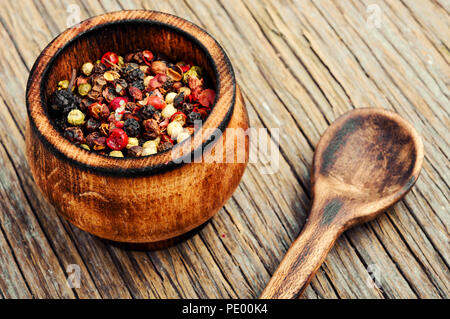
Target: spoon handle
305, 256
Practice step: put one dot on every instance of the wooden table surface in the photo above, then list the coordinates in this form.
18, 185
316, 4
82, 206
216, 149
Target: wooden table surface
300, 65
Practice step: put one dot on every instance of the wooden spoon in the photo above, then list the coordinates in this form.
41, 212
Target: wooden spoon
365, 162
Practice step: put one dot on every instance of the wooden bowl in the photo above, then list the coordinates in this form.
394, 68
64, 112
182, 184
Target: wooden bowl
135, 200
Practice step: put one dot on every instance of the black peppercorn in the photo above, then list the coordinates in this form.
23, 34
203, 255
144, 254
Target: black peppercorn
99, 68
192, 117
132, 127
186, 108
131, 72
74, 134
138, 84
90, 139
92, 125
63, 101
178, 100
167, 85
146, 112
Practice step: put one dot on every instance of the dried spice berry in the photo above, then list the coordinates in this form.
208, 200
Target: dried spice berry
175, 73
92, 125
170, 97
180, 117
87, 68
132, 141
168, 111
98, 111
99, 68
147, 56
138, 84
192, 117
63, 85
109, 93
152, 129
116, 154
135, 93
159, 67
132, 73
118, 102
62, 100
135, 151
104, 129
110, 59
132, 127
84, 89
207, 97
75, 117
100, 143
75, 135
157, 102
178, 100
146, 112
120, 86
136, 105
90, 139
117, 139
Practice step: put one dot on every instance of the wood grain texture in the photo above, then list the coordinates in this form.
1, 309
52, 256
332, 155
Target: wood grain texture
300, 65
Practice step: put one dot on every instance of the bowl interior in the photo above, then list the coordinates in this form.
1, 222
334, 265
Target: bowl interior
124, 37
127, 31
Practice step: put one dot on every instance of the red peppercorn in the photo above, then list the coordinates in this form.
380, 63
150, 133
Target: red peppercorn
117, 140
119, 124
135, 93
148, 57
118, 102
179, 116
110, 58
185, 68
157, 102
207, 97
157, 82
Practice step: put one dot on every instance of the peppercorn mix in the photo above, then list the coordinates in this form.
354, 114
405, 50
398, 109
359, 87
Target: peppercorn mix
131, 106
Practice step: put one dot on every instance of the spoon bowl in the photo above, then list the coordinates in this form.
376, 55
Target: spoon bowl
364, 163
369, 158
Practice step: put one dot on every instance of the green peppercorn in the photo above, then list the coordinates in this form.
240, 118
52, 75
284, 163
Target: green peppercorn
116, 154
87, 68
84, 89
121, 61
75, 117
63, 85
193, 71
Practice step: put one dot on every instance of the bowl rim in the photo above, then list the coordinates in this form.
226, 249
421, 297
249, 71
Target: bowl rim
218, 119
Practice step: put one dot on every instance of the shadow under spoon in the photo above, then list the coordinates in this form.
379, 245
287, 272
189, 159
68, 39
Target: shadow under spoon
366, 161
